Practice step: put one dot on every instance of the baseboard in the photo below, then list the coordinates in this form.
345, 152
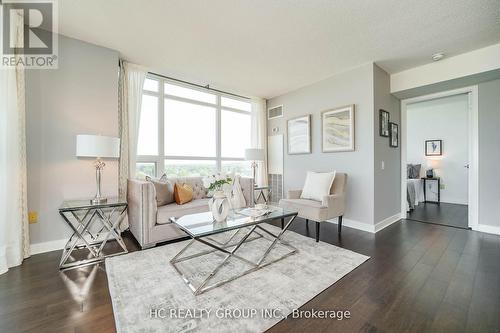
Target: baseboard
354, 224
387, 222
371, 228
47, 246
489, 229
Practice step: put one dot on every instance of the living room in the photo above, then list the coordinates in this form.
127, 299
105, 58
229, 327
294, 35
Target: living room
245, 166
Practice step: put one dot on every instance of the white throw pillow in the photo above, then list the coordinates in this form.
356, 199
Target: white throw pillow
317, 185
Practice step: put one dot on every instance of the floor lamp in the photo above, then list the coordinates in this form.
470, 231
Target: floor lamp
254, 155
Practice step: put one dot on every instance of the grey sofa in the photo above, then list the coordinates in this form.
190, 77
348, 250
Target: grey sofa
151, 224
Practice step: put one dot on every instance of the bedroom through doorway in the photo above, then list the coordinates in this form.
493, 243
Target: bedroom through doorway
438, 153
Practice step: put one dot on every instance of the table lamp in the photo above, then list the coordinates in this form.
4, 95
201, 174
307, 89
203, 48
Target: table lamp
432, 164
97, 146
254, 155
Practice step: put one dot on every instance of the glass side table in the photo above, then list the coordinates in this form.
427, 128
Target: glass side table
259, 190
93, 226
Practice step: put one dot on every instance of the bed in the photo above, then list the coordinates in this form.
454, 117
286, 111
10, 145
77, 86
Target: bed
414, 193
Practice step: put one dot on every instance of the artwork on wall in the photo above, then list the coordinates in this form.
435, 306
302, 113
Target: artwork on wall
337, 133
393, 135
299, 135
383, 122
433, 147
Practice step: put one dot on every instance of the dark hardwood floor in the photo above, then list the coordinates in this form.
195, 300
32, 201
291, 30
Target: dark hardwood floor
452, 215
420, 278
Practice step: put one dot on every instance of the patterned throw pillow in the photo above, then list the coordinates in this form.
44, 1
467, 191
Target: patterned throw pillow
413, 171
183, 193
164, 190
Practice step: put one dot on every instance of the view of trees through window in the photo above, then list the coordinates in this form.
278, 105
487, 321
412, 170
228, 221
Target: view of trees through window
179, 130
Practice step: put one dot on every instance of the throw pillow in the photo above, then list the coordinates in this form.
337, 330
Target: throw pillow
183, 193
413, 171
317, 185
409, 170
164, 190
237, 197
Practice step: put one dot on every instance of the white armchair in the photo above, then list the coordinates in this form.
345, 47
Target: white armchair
332, 206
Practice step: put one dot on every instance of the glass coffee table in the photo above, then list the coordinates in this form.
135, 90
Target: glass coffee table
202, 227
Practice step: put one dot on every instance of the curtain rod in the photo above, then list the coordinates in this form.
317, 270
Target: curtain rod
199, 85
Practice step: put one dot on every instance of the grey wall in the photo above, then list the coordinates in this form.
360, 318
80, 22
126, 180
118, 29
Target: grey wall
387, 182
352, 87
81, 97
489, 153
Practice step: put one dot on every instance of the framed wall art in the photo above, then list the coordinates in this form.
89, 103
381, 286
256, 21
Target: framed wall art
337, 129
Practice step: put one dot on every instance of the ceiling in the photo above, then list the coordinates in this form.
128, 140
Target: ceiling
268, 47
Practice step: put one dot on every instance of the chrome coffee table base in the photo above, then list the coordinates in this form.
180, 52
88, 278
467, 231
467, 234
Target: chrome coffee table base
230, 248
81, 217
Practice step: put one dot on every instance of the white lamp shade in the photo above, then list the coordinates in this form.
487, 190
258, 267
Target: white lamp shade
433, 163
254, 154
97, 146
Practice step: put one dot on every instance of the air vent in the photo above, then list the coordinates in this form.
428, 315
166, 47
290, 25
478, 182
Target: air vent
275, 112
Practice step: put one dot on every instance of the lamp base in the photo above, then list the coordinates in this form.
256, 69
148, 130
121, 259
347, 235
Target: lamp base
98, 201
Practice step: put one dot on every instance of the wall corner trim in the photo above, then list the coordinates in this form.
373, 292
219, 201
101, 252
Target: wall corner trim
47, 246
371, 228
387, 222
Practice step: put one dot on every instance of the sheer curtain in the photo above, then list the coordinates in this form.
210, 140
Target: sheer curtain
130, 86
14, 230
259, 136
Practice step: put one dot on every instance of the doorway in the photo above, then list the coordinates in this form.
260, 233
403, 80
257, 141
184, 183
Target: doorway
439, 158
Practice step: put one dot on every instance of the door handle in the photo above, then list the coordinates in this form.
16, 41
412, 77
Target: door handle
466, 166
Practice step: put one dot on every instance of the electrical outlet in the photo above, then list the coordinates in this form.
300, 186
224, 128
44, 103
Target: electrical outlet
441, 186
32, 217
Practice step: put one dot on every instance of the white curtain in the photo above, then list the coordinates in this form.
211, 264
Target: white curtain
14, 230
130, 86
259, 136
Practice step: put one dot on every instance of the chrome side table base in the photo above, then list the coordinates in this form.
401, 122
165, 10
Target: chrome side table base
105, 218
260, 190
231, 253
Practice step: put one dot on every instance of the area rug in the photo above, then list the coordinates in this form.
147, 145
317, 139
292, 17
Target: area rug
148, 295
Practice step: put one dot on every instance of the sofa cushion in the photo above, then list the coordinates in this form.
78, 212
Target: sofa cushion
308, 209
164, 213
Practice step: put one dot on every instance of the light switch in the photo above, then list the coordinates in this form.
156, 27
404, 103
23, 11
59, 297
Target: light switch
382, 165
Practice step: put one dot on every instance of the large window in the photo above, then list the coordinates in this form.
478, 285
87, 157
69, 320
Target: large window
186, 131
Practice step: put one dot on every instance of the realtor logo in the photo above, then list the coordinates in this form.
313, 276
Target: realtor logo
29, 33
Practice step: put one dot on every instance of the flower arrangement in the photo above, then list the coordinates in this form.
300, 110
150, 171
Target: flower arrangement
217, 182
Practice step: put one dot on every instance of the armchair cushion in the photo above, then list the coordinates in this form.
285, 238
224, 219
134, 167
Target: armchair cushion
308, 209
317, 185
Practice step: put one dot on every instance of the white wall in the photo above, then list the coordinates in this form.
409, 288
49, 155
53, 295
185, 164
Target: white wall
445, 119
458, 67
81, 97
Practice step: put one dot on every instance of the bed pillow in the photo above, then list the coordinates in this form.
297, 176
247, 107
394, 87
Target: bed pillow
317, 185
413, 171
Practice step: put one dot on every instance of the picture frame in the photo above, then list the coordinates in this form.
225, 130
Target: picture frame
338, 129
433, 147
299, 135
393, 135
383, 122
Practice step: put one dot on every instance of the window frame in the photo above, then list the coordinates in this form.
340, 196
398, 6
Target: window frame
160, 159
